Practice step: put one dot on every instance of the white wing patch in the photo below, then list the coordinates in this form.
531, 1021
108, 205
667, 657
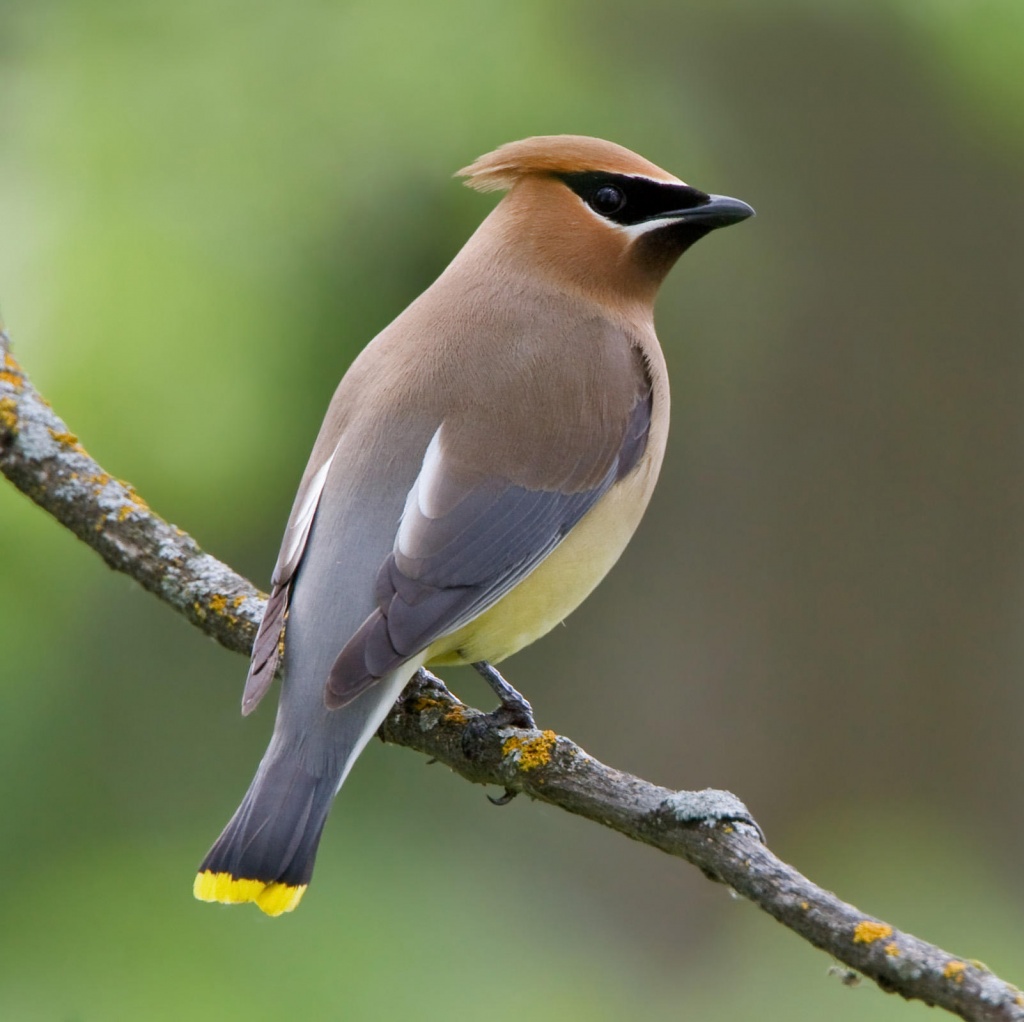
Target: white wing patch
298, 531
266, 650
425, 496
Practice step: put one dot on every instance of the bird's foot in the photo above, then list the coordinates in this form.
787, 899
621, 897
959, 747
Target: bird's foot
425, 677
515, 710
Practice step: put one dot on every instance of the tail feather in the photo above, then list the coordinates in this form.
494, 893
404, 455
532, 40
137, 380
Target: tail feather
266, 853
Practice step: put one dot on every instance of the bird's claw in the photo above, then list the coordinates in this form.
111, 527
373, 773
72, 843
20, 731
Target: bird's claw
515, 709
503, 800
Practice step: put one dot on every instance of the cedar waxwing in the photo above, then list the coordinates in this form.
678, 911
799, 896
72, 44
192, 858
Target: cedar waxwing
482, 465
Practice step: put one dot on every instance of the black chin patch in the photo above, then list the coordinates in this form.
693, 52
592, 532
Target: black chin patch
644, 199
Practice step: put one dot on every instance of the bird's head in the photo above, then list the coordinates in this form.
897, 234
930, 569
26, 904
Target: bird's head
593, 215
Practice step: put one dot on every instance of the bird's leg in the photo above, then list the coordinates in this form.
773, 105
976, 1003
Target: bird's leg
515, 709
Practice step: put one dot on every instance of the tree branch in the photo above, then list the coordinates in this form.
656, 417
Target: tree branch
45, 460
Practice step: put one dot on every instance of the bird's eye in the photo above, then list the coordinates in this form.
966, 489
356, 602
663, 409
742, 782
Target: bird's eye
607, 199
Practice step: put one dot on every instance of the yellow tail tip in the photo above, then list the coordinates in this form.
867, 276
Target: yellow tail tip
272, 897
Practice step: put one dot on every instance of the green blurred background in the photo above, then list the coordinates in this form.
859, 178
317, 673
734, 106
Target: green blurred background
207, 208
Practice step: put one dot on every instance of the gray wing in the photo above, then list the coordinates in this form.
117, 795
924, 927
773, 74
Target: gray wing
465, 540
269, 643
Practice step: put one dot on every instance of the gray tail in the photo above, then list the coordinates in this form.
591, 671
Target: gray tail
267, 850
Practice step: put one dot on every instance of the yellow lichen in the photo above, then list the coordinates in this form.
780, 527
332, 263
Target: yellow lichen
200, 610
868, 931
9, 414
12, 379
457, 714
423, 703
100, 479
133, 496
892, 950
805, 905
531, 752
237, 602
67, 439
954, 970
135, 504
218, 603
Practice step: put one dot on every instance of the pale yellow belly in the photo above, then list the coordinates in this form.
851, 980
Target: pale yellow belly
559, 584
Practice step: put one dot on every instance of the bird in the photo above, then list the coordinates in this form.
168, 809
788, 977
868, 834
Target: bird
482, 465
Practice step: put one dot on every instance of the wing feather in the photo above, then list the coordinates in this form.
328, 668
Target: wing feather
269, 643
465, 540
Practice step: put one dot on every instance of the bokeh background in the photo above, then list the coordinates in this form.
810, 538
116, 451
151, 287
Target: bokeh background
207, 208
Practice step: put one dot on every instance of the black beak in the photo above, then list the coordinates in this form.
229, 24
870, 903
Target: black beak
718, 211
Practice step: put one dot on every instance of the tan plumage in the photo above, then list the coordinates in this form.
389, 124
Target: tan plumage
555, 154
482, 465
